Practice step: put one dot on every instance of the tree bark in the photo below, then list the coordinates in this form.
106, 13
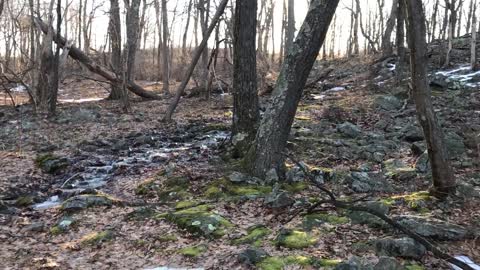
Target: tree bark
2, 4
267, 152
53, 93
115, 30
166, 53
290, 31
245, 98
473, 46
400, 40
442, 174
196, 56
386, 39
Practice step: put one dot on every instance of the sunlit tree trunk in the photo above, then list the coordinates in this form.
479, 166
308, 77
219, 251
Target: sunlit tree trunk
115, 30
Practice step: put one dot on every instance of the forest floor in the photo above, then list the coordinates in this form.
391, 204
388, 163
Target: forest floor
99, 189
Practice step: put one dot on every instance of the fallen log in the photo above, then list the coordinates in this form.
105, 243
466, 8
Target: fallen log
78, 55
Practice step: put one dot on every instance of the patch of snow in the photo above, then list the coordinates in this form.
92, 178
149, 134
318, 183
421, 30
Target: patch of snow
336, 89
466, 260
318, 97
391, 67
453, 71
82, 100
19, 88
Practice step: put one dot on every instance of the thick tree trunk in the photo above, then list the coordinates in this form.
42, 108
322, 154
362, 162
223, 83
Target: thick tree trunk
267, 152
2, 4
53, 93
196, 56
245, 109
80, 56
115, 30
442, 174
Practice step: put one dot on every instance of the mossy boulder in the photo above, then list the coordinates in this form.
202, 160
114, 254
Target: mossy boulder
24, 201
364, 218
223, 188
398, 170
254, 236
295, 239
62, 226
51, 164
415, 200
194, 251
96, 238
315, 220
169, 190
85, 201
140, 214
200, 220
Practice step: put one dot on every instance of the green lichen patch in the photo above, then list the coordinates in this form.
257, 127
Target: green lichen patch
50, 163
96, 238
194, 251
316, 220
200, 221
166, 238
24, 201
415, 201
171, 189
222, 188
414, 266
186, 204
295, 239
254, 236
396, 169
295, 187
279, 263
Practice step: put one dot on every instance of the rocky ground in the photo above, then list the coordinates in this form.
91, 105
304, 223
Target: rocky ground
98, 189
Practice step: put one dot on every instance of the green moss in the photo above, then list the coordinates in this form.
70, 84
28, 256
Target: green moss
167, 238
96, 238
194, 251
147, 187
271, 263
24, 201
314, 220
213, 192
295, 187
200, 221
141, 214
254, 236
294, 239
414, 267
176, 182
41, 159
216, 127
222, 188
185, 204
50, 163
414, 200
325, 262
56, 230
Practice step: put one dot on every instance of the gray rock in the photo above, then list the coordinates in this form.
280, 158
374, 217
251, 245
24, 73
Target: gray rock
418, 148
468, 191
354, 263
388, 263
363, 182
388, 103
349, 130
271, 177
278, 199
404, 247
81, 202
399, 170
364, 218
295, 174
240, 178
433, 228
455, 144
34, 227
252, 256
422, 165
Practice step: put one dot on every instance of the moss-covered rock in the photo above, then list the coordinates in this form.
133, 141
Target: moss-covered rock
82, 202
316, 220
24, 201
397, 169
165, 189
222, 188
279, 263
166, 238
96, 238
194, 251
295, 239
51, 164
254, 236
62, 226
415, 200
141, 214
200, 221
414, 266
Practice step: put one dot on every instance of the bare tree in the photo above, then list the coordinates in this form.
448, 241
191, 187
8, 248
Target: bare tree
387, 35
290, 30
267, 152
132, 24
473, 46
166, 53
115, 30
442, 174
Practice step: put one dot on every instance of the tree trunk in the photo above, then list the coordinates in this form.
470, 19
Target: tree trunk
473, 46
245, 98
53, 93
386, 39
166, 53
434, 20
267, 152
196, 56
2, 4
442, 174
115, 30
132, 21
45, 82
290, 31
400, 40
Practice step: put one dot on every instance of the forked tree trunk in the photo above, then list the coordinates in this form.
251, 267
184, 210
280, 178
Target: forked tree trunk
196, 56
442, 174
245, 109
267, 152
387, 47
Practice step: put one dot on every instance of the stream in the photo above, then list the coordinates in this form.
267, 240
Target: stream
102, 160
